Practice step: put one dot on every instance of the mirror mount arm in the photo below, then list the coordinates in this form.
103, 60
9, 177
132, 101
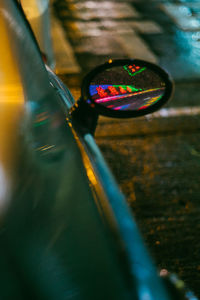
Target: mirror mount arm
84, 117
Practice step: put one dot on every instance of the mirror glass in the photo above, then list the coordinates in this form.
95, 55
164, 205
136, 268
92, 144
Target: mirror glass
129, 87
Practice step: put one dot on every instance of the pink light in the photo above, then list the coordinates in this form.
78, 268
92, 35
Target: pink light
112, 98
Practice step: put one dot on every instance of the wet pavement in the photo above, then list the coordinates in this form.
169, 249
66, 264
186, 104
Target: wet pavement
155, 159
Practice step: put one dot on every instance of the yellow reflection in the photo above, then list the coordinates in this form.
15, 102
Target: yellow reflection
88, 166
11, 103
98, 192
46, 147
90, 172
33, 9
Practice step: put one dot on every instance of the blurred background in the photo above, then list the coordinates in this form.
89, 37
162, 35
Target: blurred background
155, 159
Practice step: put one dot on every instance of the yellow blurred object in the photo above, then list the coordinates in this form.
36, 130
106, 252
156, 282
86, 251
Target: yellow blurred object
38, 15
11, 109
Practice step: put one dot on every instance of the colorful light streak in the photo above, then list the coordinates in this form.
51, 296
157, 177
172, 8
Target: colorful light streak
114, 89
122, 107
150, 102
112, 98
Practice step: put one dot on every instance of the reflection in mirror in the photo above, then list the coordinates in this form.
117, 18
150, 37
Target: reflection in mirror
131, 87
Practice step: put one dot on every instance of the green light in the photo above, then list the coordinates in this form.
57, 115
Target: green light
135, 73
37, 124
133, 88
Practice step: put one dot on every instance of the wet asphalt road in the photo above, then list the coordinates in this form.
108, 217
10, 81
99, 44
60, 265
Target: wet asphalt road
156, 160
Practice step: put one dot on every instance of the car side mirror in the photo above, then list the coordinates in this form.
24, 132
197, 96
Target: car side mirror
122, 89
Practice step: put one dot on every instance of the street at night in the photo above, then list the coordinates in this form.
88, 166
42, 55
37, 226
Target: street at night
155, 159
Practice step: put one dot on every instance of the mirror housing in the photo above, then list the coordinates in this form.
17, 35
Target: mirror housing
122, 89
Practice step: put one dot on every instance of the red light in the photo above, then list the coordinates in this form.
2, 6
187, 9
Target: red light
130, 67
123, 91
133, 70
129, 89
101, 92
113, 90
143, 107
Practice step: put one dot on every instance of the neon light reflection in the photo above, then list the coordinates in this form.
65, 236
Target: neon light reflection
133, 69
114, 89
112, 98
